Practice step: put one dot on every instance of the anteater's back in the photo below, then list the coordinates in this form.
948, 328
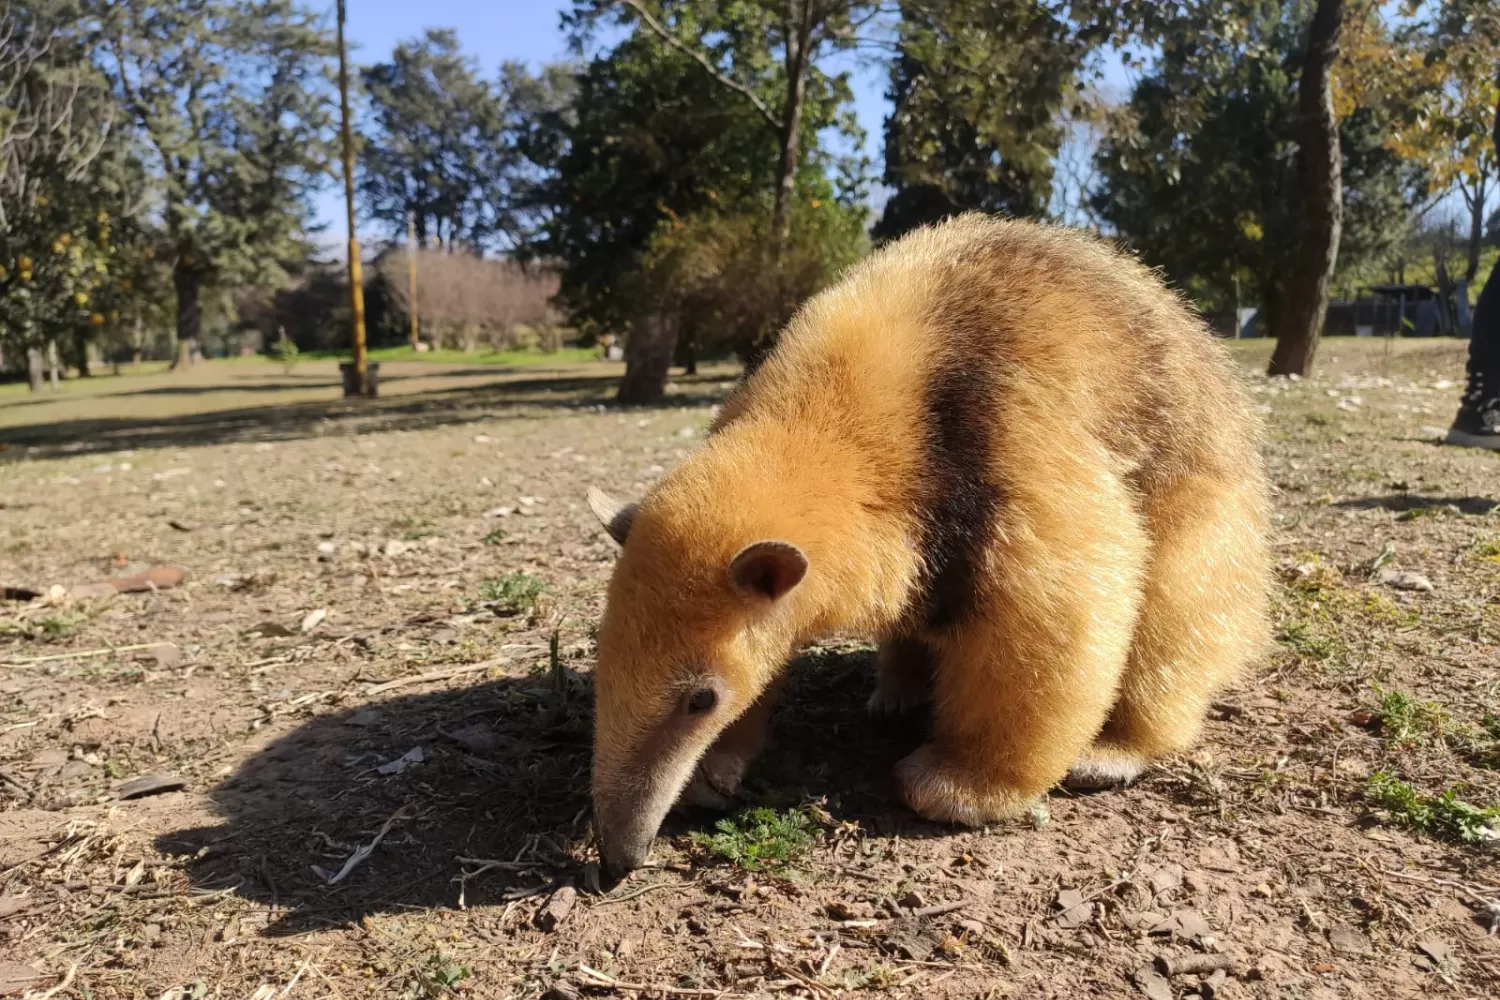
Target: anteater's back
929, 343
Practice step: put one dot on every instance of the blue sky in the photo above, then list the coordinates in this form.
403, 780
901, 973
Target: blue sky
493, 32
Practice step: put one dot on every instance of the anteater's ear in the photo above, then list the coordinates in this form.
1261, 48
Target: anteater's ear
767, 569
614, 515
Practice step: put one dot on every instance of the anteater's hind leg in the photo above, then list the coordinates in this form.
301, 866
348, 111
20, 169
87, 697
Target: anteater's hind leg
903, 677
1202, 621
1026, 677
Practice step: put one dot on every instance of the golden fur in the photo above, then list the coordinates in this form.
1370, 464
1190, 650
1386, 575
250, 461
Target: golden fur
1006, 451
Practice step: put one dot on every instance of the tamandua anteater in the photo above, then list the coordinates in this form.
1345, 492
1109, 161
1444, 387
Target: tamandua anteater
1006, 451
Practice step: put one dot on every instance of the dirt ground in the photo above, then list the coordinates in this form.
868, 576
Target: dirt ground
358, 655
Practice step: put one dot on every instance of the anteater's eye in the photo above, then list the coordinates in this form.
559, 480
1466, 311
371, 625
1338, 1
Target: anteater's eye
702, 700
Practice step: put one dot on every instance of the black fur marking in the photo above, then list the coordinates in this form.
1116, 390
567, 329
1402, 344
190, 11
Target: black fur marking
962, 501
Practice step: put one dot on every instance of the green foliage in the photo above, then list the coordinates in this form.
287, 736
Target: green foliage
759, 838
515, 593
439, 976
979, 88
494, 537
231, 99
1408, 721
284, 353
438, 148
717, 275
1199, 170
651, 139
1444, 816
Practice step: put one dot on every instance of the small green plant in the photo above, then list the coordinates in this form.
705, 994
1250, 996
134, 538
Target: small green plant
1444, 816
1307, 642
1408, 721
1488, 550
284, 353
515, 593
56, 626
756, 838
874, 976
1418, 512
495, 537
1491, 725
438, 976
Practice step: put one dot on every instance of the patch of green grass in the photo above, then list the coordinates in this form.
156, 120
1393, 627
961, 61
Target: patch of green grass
1491, 725
758, 838
1308, 642
873, 976
567, 355
1414, 513
437, 977
495, 537
55, 626
514, 592
1487, 549
1409, 721
1444, 816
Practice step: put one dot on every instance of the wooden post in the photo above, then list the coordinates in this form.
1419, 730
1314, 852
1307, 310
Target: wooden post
356, 275
411, 274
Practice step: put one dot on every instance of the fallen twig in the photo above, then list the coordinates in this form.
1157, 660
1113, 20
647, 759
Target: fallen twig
632, 894
67, 980
1191, 965
365, 850
1428, 880
939, 909
82, 653
436, 675
600, 979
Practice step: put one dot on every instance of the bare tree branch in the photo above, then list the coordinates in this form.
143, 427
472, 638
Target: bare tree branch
660, 30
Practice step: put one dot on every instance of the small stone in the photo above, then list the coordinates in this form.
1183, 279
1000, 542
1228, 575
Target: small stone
1406, 580
696, 926
1166, 877
1152, 984
556, 910
1074, 912
973, 928
1435, 950
149, 784
1211, 987
1342, 937
913, 900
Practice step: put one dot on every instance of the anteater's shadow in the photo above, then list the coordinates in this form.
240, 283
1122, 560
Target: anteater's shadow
504, 776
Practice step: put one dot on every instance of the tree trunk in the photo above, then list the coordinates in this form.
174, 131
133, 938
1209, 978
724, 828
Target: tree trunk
687, 355
1320, 171
798, 38
52, 364
1475, 204
81, 345
1479, 411
189, 314
36, 369
648, 355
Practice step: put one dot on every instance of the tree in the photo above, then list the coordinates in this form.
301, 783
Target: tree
437, 149
1319, 164
1445, 81
65, 180
1198, 171
979, 89
1478, 418
650, 137
232, 98
733, 45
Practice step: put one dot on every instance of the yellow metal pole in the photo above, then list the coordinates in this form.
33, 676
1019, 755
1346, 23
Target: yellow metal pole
356, 275
411, 272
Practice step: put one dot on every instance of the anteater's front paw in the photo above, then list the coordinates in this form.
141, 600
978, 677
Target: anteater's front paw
1099, 770
936, 790
716, 781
